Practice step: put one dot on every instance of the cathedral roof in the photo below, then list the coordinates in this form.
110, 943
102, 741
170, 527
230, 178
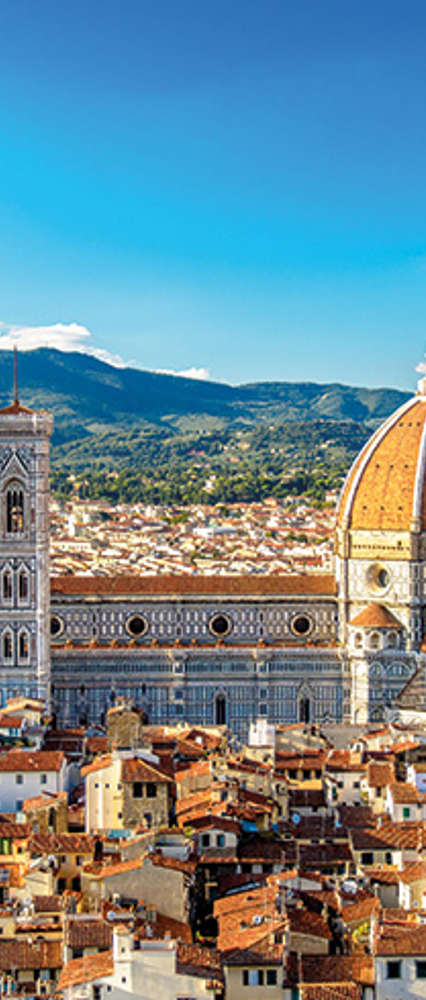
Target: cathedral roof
385, 488
321, 584
376, 616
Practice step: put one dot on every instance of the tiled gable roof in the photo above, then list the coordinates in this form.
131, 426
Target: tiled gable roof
136, 769
62, 843
86, 970
375, 616
194, 960
379, 774
31, 760
15, 954
337, 969
88, 933
399, 940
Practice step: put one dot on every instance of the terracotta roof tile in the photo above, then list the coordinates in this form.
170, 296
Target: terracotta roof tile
375, 616
194, 960
399, 940
337, 969
86, 970
311, 583
105, 870
379, 774
15, 954
88, 933
139, 770
62, 843
31, 760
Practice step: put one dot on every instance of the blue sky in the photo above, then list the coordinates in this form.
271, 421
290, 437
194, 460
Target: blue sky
236, 187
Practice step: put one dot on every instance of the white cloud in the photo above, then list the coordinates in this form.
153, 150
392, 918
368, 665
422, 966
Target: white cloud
421, 367
74, 337
198, 373
61, 336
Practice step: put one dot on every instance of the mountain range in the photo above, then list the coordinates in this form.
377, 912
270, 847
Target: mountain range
87, 395
129, 435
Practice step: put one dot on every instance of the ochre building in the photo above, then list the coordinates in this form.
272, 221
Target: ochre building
222, 650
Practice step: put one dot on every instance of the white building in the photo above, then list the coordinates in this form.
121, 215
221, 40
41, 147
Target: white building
25, 774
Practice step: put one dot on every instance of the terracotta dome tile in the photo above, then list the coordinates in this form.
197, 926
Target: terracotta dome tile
379, 492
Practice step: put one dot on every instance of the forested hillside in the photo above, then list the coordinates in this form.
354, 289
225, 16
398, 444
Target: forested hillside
130, 435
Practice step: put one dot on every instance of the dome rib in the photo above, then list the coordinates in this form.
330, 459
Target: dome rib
419, 485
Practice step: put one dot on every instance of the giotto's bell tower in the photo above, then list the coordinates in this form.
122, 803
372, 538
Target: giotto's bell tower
24, 551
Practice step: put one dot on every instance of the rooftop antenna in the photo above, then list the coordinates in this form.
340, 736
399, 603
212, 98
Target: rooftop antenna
15, 375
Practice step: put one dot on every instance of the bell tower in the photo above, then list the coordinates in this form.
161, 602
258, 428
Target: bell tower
24, 550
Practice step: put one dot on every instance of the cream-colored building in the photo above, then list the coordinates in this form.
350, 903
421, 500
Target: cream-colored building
124, 789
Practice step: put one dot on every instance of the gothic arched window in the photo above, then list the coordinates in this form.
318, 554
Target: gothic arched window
7, 586
7, 646
23, 646
23, 585
15, 509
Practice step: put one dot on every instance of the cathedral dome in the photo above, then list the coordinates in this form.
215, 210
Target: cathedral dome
385, 489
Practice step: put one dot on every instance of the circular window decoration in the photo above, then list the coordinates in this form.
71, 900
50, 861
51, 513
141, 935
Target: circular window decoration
301, 625
378, 577
136, 626
220, 625
56, 626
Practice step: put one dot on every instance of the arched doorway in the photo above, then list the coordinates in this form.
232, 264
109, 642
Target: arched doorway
220, 710
305, 710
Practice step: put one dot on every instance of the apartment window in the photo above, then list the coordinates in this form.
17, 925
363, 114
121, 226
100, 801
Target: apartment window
97, 992
421, 969
19, 804
19, 778
393, 970
406, 812
137, 789
367, 858
356, 784
271, 977
151, 790
43, 779
252, 977
220, 840
205, 840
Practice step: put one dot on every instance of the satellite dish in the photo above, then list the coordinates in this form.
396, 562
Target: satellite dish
295, 818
